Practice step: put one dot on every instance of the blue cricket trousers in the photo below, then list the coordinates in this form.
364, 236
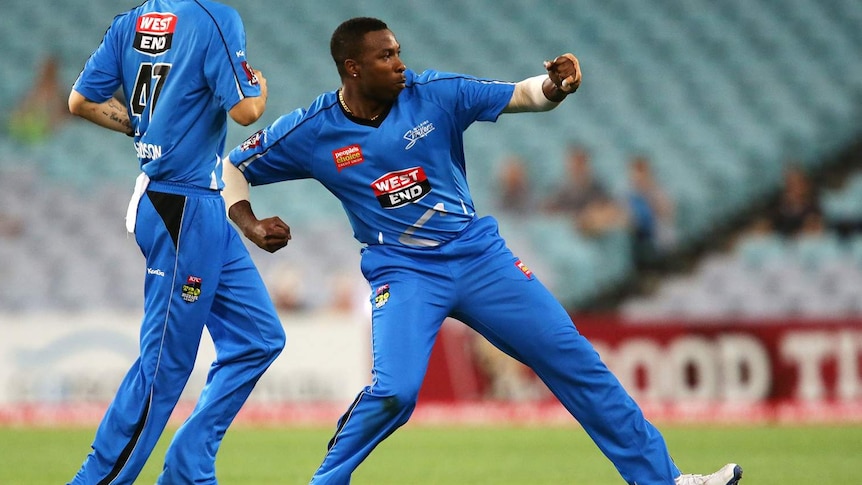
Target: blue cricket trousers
477, 280
199, 274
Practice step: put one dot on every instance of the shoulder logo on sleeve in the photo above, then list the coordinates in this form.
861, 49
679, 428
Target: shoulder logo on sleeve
154, 33
347, 156
249, 73
253, 141
524, 269
397, 189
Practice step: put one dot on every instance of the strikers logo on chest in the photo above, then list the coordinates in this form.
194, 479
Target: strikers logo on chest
154, 33
397, 189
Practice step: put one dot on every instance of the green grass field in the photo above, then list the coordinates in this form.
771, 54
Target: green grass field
454, 456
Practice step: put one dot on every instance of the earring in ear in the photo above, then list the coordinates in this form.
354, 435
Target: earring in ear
354, 74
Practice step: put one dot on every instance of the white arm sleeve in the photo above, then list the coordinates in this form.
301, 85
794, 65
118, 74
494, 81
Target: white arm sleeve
529, 96
235, 185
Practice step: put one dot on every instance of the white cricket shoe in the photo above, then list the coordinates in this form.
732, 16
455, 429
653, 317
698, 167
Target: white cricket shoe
729, 474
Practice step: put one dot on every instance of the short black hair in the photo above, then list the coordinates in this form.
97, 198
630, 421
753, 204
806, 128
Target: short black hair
346, 41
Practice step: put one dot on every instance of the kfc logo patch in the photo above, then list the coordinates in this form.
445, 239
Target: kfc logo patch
381, 296
192, 289
154, 33
347, 156
397, 189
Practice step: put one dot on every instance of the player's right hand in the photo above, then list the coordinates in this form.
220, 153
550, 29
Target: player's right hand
264, 92
565, 72
270, 234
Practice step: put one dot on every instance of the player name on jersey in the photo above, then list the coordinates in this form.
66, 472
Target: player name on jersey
155, 32
148, 150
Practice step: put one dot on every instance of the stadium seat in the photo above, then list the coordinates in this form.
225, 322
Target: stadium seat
711, 91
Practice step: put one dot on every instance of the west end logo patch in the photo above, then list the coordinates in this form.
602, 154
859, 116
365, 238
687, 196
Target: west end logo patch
347, 156
154, 33
192, 289
397, 189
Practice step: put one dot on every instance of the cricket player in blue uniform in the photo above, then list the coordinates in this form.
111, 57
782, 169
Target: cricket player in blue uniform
182, 68
389, 145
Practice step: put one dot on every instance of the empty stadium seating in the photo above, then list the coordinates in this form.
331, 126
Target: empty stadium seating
719, 95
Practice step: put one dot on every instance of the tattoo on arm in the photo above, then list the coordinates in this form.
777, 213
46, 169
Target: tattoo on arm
117, 115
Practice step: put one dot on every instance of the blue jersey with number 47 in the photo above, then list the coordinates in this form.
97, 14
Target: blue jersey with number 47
177, 87
401, 180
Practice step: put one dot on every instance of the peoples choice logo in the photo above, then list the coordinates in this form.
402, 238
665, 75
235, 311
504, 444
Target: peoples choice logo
154, 33
397, 189
347, 156
418, 132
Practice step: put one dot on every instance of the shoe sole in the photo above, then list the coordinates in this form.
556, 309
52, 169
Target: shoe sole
737, 475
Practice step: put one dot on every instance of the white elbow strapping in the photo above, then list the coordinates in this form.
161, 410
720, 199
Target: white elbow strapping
235, 185
532, 96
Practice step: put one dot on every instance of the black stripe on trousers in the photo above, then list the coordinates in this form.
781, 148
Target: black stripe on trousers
127, 451
343, 420
170, 207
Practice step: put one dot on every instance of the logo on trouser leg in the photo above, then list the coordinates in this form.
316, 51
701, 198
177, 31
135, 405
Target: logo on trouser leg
381, 296
192, 289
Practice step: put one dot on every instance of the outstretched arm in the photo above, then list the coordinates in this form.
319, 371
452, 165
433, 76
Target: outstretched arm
545, 92
110, 114
270, 234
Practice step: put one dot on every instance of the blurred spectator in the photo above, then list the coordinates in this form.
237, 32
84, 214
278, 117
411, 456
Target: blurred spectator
820, 252
798, 204
508, 379
842, 203
10, 226
348, 295
651, 214
515, 195
43, 108
287, 288
594, 210
759, 246
813, 225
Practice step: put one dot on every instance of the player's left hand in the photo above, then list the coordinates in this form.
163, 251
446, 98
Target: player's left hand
565, 72
270, 234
